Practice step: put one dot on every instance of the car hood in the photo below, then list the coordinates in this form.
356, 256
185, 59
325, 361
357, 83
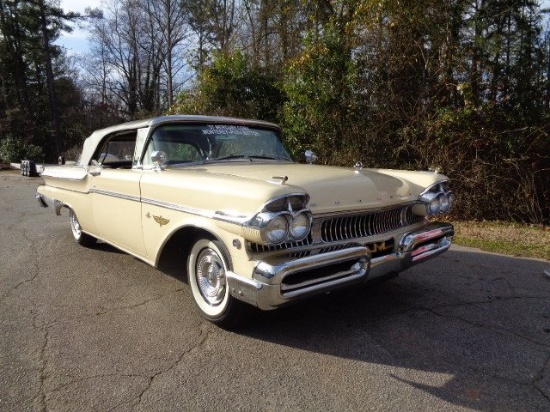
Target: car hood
330, 188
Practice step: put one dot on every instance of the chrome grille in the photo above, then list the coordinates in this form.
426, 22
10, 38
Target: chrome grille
347, 227
257, 248
366, 224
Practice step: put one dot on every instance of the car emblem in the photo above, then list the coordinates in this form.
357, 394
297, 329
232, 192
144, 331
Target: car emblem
161, 220
379, 247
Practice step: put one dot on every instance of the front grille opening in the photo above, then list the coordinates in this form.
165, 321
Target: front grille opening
334, 248
367, 224
313, 277
258, 248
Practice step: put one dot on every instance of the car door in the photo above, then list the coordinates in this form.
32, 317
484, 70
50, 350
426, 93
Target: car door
116, 197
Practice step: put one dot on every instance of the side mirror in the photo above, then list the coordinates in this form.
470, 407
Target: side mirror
95, 169
310, 156
159, 159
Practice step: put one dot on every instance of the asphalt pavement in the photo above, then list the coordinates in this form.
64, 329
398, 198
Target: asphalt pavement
94, 329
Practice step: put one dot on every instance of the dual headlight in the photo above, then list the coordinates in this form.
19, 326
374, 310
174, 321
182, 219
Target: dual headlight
437, 199
282, 220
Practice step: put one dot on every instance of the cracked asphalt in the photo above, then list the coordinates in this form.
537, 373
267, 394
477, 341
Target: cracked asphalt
97, 330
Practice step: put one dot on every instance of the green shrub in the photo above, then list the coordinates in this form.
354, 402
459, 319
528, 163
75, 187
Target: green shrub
14, 150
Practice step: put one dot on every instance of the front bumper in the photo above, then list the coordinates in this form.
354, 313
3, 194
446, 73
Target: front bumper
277, 284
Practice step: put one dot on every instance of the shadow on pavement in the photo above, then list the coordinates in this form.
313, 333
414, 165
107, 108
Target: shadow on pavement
486, 330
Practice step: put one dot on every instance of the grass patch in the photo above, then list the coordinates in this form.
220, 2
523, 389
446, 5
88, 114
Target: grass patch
507, 238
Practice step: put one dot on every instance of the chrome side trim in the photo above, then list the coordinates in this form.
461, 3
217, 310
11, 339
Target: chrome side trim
217, 215
116, 194
179, 208
236, 220
65, 189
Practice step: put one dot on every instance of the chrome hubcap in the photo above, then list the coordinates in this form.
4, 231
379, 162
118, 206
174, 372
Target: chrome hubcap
211, 276
75, 225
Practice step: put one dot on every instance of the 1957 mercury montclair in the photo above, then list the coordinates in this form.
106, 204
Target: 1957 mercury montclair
252, 226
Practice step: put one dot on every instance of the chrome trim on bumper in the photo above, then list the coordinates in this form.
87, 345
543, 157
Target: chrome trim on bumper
427, 242
414, 247
41, 200
270, 286
275, 273
45, 201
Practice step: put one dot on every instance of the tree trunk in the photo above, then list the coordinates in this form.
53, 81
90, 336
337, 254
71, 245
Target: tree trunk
54, 111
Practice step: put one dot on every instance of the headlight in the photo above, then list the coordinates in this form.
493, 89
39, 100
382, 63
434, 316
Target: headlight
436, 199
299, 226
276, 230
282, 219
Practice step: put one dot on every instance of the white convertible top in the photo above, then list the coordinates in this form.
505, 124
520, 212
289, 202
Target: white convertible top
95, 139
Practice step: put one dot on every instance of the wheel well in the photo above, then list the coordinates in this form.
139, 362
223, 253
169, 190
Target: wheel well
173, 257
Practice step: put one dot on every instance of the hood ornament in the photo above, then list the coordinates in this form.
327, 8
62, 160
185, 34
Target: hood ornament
358, 167
278, 180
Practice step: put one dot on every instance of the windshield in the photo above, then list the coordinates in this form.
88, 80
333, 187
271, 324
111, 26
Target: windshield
209, 143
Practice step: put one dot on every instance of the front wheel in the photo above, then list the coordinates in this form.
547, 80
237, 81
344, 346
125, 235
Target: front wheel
207, 275
79, 236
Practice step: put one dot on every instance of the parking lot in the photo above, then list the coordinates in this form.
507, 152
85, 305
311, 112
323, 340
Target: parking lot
94, 329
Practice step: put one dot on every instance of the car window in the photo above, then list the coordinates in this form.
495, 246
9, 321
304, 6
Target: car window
179, 152
116, 151
179, 145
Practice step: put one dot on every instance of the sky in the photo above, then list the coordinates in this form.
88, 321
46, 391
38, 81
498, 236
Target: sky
76, 41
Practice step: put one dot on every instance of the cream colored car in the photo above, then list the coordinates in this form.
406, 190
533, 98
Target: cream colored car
251, 226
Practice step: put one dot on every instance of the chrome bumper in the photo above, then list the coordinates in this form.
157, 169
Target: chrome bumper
277, 284
415, 247
45, 201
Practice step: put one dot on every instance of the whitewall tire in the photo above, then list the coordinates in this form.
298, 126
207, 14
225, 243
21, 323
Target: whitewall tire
207, 268
79, 236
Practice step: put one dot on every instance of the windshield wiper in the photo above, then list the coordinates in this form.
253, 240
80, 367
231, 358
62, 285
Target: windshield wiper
244, 157
269, 158
229, 157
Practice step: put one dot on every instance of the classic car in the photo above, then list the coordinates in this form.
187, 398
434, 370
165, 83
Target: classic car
252, 227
